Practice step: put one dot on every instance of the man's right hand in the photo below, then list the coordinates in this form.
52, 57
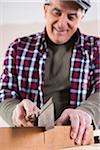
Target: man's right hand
21, 112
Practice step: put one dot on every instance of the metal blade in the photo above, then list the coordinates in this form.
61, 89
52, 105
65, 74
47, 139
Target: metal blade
46, 116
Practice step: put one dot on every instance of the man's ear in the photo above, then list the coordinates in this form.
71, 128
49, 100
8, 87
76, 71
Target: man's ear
83, 15
45, 9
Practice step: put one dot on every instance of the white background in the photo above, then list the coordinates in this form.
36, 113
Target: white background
13, 13
30, 11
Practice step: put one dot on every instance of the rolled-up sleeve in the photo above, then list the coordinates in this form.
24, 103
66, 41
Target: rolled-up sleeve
92, 104
8, 79
92, 107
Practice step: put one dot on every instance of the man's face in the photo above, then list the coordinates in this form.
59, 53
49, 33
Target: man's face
62, 20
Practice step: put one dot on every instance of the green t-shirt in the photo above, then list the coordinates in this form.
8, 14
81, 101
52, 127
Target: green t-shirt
56, 80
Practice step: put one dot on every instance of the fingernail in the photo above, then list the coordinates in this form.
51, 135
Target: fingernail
84, 142
73, 135
78, 142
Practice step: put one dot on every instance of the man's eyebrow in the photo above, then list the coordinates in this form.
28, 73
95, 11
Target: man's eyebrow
55, 8
74, 14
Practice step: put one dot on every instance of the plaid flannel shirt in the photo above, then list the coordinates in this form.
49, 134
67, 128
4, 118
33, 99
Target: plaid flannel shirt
24, 68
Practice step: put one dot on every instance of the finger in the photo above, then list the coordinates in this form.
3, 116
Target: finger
74, 118
63, 118
22, 123
19, 116
85, 122
81, 130
30, 107
70, 114
86, 137
30, 124
57, 123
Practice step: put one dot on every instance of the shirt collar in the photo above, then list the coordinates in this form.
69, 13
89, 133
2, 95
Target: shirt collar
75, 38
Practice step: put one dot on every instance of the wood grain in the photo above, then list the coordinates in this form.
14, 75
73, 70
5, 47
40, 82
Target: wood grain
37, 139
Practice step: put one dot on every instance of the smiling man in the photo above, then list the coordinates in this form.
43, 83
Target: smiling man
59, 62
62, 20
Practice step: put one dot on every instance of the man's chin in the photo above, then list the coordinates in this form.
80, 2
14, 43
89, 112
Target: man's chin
57, 41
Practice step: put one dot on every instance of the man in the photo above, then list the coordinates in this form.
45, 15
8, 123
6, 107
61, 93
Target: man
61, 63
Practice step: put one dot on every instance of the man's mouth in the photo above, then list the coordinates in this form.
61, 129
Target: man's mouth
61, 31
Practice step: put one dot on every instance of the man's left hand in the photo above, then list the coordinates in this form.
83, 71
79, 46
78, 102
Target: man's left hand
80, 124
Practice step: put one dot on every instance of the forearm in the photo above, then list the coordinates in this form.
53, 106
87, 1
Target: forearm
92, 106
6, 109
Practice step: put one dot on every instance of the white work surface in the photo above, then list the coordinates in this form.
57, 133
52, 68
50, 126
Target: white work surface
89, 147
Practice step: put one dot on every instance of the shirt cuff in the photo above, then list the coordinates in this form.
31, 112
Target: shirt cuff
6, 109
92, 107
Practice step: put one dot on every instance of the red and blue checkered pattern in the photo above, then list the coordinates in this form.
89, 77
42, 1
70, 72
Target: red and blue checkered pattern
24, 66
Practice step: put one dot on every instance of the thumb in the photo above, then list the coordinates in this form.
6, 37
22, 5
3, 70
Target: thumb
30, 107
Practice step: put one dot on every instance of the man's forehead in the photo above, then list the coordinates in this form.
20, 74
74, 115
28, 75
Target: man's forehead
60, 1
48, 1
66, 6
57, 1
85, 4
64, 3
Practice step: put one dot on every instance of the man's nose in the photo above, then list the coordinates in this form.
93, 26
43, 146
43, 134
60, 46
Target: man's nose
62, 22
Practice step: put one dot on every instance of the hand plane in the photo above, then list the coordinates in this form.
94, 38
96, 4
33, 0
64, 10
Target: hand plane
45, 118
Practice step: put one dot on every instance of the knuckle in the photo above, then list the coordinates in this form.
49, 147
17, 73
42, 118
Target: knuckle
83, 121
88, 120
19, 116
17, 107
75, 117
25, 101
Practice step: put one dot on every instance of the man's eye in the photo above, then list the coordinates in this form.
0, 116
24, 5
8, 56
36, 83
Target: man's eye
70, 17
56, 12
